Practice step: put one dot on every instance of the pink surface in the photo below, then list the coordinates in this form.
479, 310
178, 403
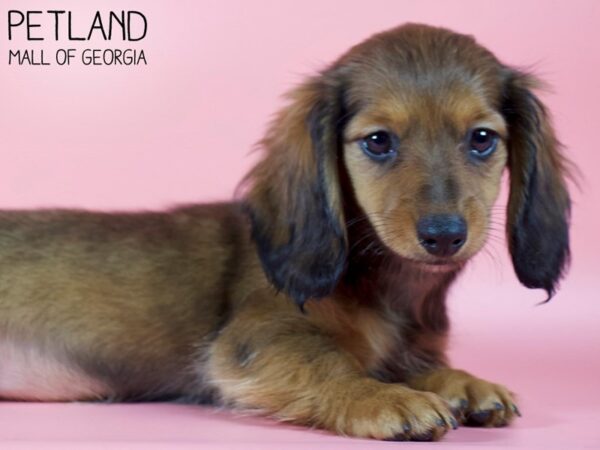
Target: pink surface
180, 130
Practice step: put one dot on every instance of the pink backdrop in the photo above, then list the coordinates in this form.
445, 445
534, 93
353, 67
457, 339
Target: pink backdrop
180, 129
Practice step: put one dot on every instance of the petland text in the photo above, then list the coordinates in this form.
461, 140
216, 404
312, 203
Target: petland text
37, 27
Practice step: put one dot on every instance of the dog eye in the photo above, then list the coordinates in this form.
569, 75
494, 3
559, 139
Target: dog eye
482, 142
379, 146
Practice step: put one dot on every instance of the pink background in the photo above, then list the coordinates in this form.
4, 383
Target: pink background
180, 130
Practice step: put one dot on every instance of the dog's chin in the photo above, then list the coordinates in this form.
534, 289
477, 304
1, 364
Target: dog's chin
439, 267
426, 265
436, 267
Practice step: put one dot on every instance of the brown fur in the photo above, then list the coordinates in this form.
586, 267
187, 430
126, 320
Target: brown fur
195, 302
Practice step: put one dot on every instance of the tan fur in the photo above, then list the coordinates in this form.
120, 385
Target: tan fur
467, 394
198, 302
423, 160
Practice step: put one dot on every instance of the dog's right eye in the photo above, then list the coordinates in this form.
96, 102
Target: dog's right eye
379, 146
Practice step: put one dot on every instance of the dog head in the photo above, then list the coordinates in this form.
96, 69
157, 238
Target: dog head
421, 123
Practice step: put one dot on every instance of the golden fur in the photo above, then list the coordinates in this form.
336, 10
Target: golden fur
312, 300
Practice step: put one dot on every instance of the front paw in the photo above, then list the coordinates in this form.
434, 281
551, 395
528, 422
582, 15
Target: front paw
475, 402
390, 412
481, 403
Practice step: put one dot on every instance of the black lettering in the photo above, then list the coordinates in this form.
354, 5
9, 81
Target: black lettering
145, 29
12, 55
97, 25
10, 22
142, 57
56, 12
32, 25
71, 37
121, 22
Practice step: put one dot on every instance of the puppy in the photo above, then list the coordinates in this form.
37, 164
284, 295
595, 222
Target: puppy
319, 298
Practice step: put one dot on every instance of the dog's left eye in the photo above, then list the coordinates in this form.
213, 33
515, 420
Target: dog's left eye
482, 142
380, 145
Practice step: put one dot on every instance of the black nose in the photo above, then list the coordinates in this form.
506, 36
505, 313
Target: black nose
442, 234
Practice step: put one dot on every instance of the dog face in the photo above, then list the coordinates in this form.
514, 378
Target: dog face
425, 149
422, 122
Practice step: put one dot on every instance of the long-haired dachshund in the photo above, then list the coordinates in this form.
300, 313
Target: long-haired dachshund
319, 298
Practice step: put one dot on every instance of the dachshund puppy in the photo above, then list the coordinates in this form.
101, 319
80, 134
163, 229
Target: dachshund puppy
319, 298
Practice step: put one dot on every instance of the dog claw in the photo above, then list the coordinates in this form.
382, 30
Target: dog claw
426, 437
397, 438
454, 423
479, 417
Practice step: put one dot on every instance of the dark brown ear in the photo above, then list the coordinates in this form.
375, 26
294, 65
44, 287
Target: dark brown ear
294, 199
539, 205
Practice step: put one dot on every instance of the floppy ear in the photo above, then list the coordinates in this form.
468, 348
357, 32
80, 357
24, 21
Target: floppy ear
539, 205
294, 198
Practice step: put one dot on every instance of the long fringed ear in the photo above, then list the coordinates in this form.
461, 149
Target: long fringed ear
294, 200
539, 205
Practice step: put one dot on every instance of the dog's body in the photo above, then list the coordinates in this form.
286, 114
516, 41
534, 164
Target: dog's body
127, 304
133, 305
369, 201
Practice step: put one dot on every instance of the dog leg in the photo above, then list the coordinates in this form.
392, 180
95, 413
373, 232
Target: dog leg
273, 361
476, 402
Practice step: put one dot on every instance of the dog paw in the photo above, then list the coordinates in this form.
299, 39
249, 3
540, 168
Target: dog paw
395, 413
481, 403
474, 402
